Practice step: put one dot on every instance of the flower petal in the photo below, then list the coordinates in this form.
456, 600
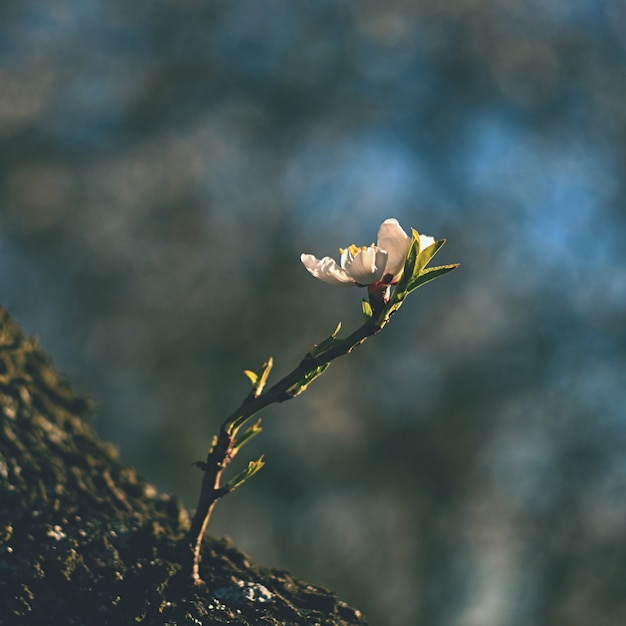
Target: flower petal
346, 257
425, 241
393, 239
327, 270
367, 266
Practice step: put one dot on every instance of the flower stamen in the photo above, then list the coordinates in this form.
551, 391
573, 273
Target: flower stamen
353, 249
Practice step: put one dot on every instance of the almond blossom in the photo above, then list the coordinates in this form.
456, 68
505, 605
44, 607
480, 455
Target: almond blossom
376, 266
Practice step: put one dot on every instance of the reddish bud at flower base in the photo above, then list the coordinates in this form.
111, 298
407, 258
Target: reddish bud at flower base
379, 296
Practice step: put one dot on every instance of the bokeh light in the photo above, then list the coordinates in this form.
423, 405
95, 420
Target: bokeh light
164, 164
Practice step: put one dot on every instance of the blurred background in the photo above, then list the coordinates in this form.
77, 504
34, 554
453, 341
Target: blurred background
162, 167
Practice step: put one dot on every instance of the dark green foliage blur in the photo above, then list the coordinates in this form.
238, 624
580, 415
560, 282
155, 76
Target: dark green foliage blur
164, 164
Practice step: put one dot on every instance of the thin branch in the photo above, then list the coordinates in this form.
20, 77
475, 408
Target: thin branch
225, 448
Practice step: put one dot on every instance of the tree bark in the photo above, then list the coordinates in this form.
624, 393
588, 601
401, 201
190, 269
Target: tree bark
84, 540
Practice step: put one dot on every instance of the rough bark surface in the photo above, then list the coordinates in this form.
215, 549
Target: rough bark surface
84, 540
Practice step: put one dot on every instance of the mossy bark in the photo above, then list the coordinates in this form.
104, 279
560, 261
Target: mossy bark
84, 540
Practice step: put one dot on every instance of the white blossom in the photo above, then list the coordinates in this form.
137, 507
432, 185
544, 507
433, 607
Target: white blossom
376, 265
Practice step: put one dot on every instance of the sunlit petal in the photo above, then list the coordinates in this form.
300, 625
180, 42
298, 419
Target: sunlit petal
425, 241
368, 265
346, 257
393, 239
327, 270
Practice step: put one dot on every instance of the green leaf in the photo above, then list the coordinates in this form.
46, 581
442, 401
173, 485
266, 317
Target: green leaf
213, 444
414, 275
297, 388
259, 379
252, 376
409, 265
244, 475
366, 307
327, 343
430, 274
266, 368
425, 256
251, 432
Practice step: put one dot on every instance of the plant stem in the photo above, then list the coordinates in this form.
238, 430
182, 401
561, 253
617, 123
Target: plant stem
217, 459
223, 451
